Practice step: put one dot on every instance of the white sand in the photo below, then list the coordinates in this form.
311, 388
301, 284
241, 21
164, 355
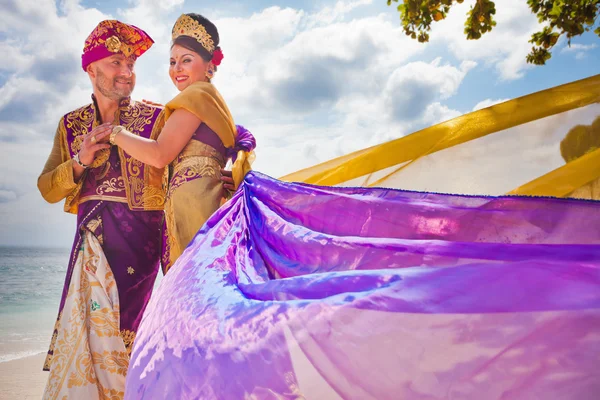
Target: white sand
23, 379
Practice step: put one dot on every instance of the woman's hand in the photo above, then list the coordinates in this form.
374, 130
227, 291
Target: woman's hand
227, 179
92, 142
151, 103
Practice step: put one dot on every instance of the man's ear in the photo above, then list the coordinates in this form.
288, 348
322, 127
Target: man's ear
90, 70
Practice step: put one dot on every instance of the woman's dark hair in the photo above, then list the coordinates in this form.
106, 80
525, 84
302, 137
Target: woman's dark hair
192, 44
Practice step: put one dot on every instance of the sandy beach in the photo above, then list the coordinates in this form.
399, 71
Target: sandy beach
23, 379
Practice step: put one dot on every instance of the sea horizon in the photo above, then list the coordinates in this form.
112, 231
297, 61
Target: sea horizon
30, 290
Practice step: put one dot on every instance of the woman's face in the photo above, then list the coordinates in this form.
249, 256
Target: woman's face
186, 67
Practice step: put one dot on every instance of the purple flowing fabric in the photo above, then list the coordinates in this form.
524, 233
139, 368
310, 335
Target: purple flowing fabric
297, 291
243, 141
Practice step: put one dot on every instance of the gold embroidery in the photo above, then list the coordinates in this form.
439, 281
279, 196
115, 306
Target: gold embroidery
171, 245
130, 270
104, 322
94, 223
78, 122
111, 283
81, 122
111, 185
153, 197
137, 117
71, 203
192, 168
135, 120
155, 179
76, 144
72, 261
198, 148
63, 176
143, 192
83, 345
131, 42
90, 265
196, 160
48, 361
112, 394
113, 44
113, 361
84, 372
100, 158
104, 197
128, 339
64, 347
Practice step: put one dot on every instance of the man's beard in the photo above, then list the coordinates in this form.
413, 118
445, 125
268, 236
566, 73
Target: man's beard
109, 88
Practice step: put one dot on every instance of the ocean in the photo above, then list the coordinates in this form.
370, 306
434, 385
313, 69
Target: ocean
31, 283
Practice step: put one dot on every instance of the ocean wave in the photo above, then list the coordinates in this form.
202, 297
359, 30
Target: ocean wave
17, 356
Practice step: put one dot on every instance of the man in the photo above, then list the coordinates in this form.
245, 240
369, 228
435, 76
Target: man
119, 203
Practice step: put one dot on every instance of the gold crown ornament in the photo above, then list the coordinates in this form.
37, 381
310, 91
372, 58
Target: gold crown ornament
113, 44
187, 26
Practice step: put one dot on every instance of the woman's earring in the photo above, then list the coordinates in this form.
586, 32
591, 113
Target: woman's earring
210, 72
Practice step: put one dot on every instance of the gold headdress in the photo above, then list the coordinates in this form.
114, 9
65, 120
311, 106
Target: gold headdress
187, 26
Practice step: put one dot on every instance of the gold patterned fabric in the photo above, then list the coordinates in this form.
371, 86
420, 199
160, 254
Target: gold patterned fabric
203, 100
140, 186
194, 187
112, 37
143, 183
90, 355
56, 180
195, 193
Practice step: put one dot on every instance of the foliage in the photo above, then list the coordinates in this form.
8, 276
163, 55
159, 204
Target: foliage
558, 17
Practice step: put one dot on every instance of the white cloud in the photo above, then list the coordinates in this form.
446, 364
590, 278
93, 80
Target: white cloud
576, 47
329, 15
311, 85
414, 87
7, 195
504, 48
580, 50
488, 103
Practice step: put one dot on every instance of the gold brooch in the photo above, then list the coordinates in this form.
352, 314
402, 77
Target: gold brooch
113, 44
187, 26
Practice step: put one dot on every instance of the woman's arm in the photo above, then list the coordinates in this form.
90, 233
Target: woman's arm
175, 135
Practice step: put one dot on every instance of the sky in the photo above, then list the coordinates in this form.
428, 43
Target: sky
312, 80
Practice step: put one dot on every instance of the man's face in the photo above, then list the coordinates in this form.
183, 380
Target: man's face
114, 76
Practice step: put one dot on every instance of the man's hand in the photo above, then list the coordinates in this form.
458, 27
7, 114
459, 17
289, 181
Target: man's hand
227, 179
92, 143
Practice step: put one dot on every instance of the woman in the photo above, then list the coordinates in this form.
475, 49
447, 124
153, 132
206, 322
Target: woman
315, 292
198, 137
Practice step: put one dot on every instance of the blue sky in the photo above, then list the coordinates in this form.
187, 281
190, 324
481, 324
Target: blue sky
311, 79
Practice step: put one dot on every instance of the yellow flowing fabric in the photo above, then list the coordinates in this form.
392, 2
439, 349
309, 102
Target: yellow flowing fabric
513, 147
203, 100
